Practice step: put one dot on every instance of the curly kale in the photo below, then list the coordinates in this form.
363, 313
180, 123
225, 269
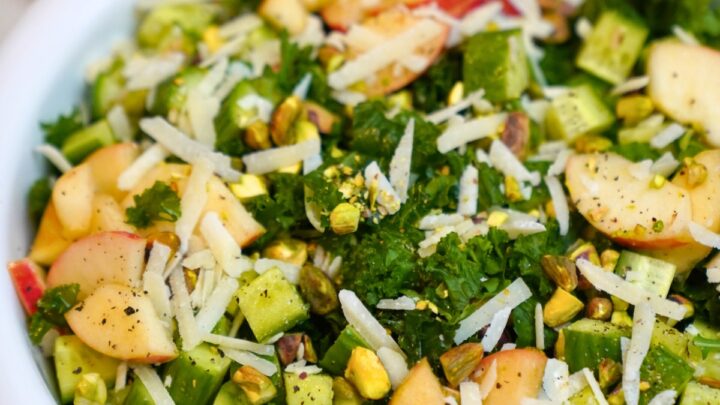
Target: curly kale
158, 203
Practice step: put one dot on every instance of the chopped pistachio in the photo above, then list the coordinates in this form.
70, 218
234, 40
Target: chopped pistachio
211, 38
617, 396
618, 304
401, 99
609, 372
609, 258
258, 388
310, 354
658, 181
696, 172
561, 271
497, 218
344, 393
460, 361
90, 390
365, 371
288, 250
560, 346
318, 290
457, 93
344, 218
512, 189
658, 226
257, 135
586, 251
305, 130
621, 318
283, 120
249, 186
287, 347
168, 239
561, 308
599, 308
592, 144
633, 109
323, 119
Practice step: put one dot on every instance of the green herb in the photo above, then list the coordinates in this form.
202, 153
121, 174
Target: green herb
420, 334
282, 209
523, 323
52, 307
39, 197
489, 183
64, 125
158, 203
296, 62
431, 90
636, 151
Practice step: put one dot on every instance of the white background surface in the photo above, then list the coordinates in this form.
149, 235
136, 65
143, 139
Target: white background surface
10, 11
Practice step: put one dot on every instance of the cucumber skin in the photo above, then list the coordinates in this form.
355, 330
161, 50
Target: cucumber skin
231, 394
586, 348
138, 394
663, 370
70, 354
85, 141
314, 389
699, 394
196, 375
337, 356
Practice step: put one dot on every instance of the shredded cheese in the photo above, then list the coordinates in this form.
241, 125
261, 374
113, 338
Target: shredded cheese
458, 135
215, 306
556, 380
193, 201
300, 367
630, 85
469, 191
704, 236
470, 393
187, 149
387, 197
223, 246
301, 89
400, 163
613, 284
478, 19
269, 160
512, 296
153, 384
201, 259
290, 271
144, 72
494, 331
577, 382
202, 109
594, 386
394, 364
643, 323
560, 204
666, 397
665, 165
558, 166
402, 303
539, 327
187, 327
119, 123
366, 325
240, 26
434, 221
667, 136
254, 102
55, 157
246, 358
684, 36
450, 111
583, 27
131, 176
226, 342
506, 162
121, 376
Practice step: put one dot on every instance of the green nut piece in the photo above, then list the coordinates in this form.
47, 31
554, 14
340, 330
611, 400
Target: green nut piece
344, 218
288, 250
317, 289
90, 390
561, 308
257, 135
592, 144
305, 130
609, 372
258, 388
460, 361
599, 308
561, 271
283, 120
345, 393
366, 372
633, 109
249, 186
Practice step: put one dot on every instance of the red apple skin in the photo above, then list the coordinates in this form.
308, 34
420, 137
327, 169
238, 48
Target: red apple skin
458, 8
29, 283
341, 14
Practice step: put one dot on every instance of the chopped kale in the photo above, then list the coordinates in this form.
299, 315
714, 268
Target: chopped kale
636, 151
430, 91
158, 203
295, 63
52, 307
65, 125
490, 181
39, 197
523, 323
282, 210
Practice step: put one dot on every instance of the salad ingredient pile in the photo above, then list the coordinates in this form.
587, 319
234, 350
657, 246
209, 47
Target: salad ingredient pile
394, 201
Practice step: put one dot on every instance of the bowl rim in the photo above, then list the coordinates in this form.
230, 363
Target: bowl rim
52, 34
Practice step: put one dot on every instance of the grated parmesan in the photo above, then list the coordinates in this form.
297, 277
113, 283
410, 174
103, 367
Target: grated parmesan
249, 359
613, 284
301, 89
704, 236
450, 111
583, 27
387, 197
187, 149
193, 201
214, 307
665, 137
513, 295
594, 386
559, 202
494, 331
630, 85
119, 123
153, 385
143, 72
643, 323
366, 325
434, 221
138, 168
468, 196
556, 380
300, 367
666, 397
187, 327
458, 135
506, 162
470, 393
121, 376
400, 163
478, 19
394, 364
402, 303
290, 271
223, 246
55, 157
684, 36
269, 160
226, 342
202, 259
539, 327
665, 165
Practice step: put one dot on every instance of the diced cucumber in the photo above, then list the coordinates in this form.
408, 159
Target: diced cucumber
577, 113
337, 356
109, 90
277, 379
496, 62
699, 394
85, 141
172, 94
192, 19
223, 326
310, 389
583, 397
118, 397
653, 275
196, 376
671, 339
613, 47
231, 394
588, 341
663, 371
73, 359
272, 305
138, 394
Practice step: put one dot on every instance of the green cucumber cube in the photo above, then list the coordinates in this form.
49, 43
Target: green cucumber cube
338, 354
271, 305
699, 394
85, 141
231, 394
73, 359
578, 112
613, 47
308, 389
653, 275
196, 376
496, 62
663, 370
588, 341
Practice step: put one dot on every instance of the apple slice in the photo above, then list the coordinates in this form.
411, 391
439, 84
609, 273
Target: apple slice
381, 29
285, 14
108, 216
108, 163
50, 241
174, 174
28, 280
616, 196
341, 14
108, 257
241, 225
120, 322
519, 374
687, 91
72, 197
420, 386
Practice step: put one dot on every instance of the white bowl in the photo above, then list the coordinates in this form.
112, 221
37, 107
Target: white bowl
41, 74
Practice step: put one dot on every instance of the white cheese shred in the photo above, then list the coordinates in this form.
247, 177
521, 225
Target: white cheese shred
494, 331
131, 176
506, 162
613, 284
539, 327
595, 387
448, 112
400, 163
665, 165
684, 36
704, 236
215, 306
560, 203
187, 149
121, 376
556, 380
468, 196
394, 364
154, 385
269, 160
666, 397
119, 123
478, 19
144, 72
667, 136
55, 157
643, 324
187, 327
402, 303
362, 320
387, 197
301, 89
630, 85
226, 342
470, 393
193, 201
201, 259
223, 246
512, 296
434, 221
249, 359
290, 271
458, 135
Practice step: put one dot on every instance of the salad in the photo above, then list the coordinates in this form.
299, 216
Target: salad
386, 201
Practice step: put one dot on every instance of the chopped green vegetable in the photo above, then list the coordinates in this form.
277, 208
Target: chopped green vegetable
52, 307
65, 125
158, 203
39, 197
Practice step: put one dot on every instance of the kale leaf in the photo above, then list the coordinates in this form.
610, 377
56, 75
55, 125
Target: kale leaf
51, 309
523, 323
436, 337
158, 203
38, 197
430, 91
281, 210
64, 125
490, 181
636, 151
295, 63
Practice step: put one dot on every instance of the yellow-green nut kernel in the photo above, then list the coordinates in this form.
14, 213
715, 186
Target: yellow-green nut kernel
90, 390
169, 239
401, 99
344, 393
344, 218
257, 135
696, 172
592, 144
304, 131
366, 372
460, 361
599, 308
456, 93
621, 318
283, 120
633, 109
249, 186
561, 271
609, 372
561, 308
586, 251
609, 258
258, 388
288, 250
318, 290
